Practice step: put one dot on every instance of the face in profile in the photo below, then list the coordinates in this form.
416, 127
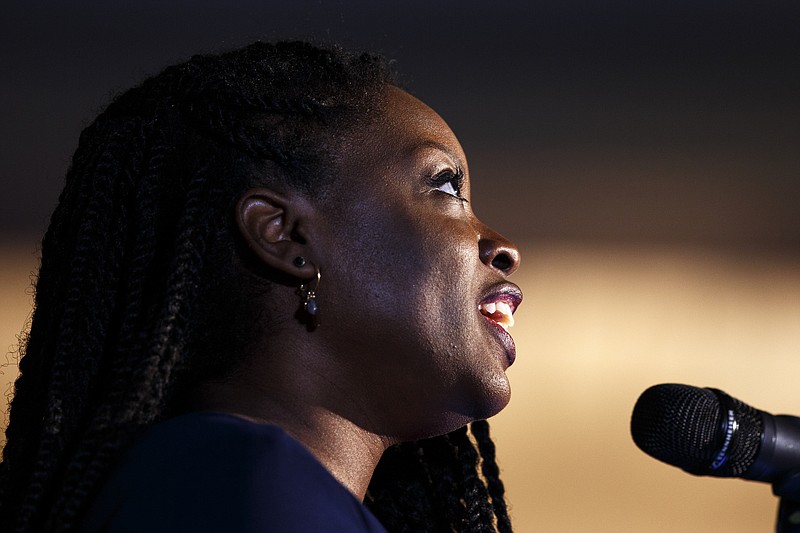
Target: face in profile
415, 293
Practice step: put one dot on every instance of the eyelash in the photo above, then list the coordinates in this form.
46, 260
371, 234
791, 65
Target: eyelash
456, 178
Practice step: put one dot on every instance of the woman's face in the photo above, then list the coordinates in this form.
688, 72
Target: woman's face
414, 297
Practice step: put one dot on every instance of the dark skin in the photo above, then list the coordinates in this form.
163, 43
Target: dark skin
405, 349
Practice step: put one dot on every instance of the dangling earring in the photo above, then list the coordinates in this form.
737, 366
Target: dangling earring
309, 296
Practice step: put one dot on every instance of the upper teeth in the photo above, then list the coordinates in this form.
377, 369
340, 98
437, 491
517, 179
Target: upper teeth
499, 312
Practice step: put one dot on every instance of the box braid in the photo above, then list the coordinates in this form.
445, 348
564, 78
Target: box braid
141, 248
434, 485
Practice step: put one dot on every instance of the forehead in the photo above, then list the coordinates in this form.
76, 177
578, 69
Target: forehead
405, 138
410, 124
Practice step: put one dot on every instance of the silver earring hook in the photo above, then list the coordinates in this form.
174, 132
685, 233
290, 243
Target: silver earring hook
309, 296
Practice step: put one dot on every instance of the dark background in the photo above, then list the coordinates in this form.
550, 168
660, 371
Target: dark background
666, 122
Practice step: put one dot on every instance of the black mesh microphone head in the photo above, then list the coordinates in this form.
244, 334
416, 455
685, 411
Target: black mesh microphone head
686, 427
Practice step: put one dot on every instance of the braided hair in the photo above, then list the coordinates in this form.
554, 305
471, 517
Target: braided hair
139, 254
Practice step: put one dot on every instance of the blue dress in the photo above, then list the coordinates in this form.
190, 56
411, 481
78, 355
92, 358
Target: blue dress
216, 472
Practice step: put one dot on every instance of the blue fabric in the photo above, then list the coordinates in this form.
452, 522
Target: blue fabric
216, 472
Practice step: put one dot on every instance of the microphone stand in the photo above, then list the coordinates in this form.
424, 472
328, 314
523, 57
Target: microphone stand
788, 490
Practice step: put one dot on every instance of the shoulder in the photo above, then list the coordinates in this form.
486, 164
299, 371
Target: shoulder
212, 472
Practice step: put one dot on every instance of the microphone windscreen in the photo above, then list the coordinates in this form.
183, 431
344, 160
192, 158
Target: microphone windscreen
683, 426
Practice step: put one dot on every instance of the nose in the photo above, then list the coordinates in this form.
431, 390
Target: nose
497, 252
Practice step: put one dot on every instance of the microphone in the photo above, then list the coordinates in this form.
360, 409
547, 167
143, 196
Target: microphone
708, 433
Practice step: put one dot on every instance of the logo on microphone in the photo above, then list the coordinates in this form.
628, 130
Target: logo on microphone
730, 429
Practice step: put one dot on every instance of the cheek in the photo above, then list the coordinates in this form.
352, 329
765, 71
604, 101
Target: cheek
406, 290
394, 255
471, 358
377, 264
463, 354
433, 275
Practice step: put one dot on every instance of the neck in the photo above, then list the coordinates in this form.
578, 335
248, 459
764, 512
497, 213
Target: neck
349, 452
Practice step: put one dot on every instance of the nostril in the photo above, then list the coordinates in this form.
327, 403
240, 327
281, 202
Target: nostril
498, 252
502, 261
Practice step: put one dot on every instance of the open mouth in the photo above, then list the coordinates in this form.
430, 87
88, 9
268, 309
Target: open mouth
499, 308
500, 312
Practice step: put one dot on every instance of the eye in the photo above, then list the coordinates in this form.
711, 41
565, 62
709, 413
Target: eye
450, 182
449, 188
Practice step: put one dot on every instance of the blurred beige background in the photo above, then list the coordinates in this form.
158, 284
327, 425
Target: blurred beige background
643, 155
600, 325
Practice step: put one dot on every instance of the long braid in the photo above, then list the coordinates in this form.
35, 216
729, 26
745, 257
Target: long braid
480, 515
79, 327
102, 437
412, 509
444, 471
140, 392
491, 473
446, 478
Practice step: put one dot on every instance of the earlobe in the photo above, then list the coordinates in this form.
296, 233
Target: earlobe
273, 226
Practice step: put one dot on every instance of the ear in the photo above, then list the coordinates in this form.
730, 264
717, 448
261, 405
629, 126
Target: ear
274, 226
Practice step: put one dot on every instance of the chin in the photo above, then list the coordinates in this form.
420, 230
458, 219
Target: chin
497, 395
486, 392
490, 400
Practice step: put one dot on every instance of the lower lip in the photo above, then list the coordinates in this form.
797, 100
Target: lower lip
506, 339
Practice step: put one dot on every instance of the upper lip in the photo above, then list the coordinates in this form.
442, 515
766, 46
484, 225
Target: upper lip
509, 296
